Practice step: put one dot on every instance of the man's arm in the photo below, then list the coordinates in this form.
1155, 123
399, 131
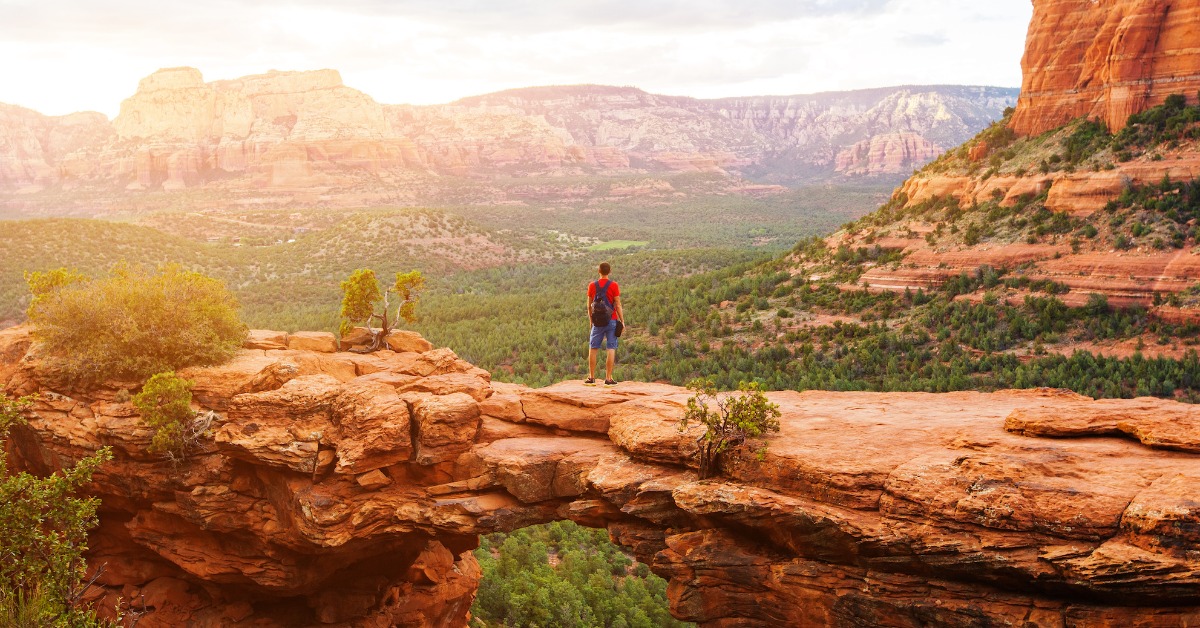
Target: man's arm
589, 309
617, 307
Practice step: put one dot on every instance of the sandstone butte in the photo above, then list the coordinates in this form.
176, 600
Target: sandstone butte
1099, 59
348, 490
1105, 59
1102, 59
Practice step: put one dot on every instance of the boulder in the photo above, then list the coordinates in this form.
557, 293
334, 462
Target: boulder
265, 339
402, 341
318, 341
373, 480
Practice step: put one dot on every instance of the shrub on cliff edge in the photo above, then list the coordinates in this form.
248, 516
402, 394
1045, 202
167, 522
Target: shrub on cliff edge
132, 323
44, 525
165, 404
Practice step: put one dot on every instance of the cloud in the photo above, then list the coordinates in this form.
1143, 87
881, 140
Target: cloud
29, 18
922, 39
427, 51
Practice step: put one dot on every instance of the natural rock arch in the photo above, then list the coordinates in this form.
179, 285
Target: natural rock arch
346, 489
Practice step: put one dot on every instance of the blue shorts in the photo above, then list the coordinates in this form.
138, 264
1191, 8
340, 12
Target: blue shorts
608, 334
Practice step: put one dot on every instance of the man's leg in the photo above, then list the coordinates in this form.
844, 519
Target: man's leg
608, 366
592, 363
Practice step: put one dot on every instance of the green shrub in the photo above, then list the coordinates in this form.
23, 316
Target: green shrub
165, 404
44, 528
1090, 137
132, 323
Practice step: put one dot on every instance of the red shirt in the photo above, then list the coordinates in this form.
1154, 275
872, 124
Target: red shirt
612, 290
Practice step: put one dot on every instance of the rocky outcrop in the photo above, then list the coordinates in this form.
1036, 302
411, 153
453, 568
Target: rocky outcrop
303, 130
887, 154
346, 489
1106, 59
38, 150
1124, 278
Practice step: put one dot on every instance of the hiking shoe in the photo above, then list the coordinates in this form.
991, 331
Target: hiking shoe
591, 381
610, 382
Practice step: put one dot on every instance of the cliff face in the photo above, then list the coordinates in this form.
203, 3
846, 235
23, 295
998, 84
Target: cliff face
1106, 59
37, 149
1101, 59
776, 138
303, 129
342, 489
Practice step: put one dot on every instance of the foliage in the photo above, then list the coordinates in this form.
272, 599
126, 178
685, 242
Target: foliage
524, 324
736, 419
132, 323
165, 404
44, 526
1171, 121
360, 298
590, 583
360, 302
1088, 138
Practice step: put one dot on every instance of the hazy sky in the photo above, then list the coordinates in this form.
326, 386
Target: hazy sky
70, 55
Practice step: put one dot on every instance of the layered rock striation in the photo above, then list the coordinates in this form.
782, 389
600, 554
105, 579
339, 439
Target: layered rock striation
349, 490
1106, 59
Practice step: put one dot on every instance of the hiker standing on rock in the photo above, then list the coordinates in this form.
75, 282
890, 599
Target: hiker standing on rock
607, 320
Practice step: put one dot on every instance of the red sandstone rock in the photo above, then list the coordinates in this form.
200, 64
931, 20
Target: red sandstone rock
406, 341
941, 512
319, 341
264, 339
1105, 60
374, 427
446, 426
887, 154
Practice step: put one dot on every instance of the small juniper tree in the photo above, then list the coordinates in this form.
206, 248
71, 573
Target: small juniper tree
165, 404
735, 420
361, 297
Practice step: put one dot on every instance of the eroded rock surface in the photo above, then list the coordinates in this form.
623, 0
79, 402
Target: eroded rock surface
348, 490
1106, 59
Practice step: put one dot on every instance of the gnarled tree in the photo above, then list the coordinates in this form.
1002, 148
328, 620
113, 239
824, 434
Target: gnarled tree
735, 420
361, 304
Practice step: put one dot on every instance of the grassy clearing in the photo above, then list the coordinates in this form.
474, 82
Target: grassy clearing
613, 245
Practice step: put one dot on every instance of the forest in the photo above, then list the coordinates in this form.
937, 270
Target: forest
561, 574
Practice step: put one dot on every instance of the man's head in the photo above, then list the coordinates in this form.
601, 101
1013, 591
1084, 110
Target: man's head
605, 269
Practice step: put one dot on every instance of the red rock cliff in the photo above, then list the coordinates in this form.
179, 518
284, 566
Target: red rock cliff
349, 490
1106, 59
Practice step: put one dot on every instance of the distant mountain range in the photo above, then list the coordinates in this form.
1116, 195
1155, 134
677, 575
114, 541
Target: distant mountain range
297, 130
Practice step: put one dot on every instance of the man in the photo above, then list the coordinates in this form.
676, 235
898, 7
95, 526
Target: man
609, 296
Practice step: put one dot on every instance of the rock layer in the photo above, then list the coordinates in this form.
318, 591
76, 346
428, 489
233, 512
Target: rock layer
343, 489
1106, 59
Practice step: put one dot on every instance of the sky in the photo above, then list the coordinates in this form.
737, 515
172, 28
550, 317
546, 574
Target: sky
73, 55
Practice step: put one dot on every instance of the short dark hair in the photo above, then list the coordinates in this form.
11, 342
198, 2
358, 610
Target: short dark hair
605, 268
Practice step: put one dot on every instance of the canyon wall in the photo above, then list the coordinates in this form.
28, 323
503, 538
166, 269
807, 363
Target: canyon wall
1106, 59
341, 489
294, 130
